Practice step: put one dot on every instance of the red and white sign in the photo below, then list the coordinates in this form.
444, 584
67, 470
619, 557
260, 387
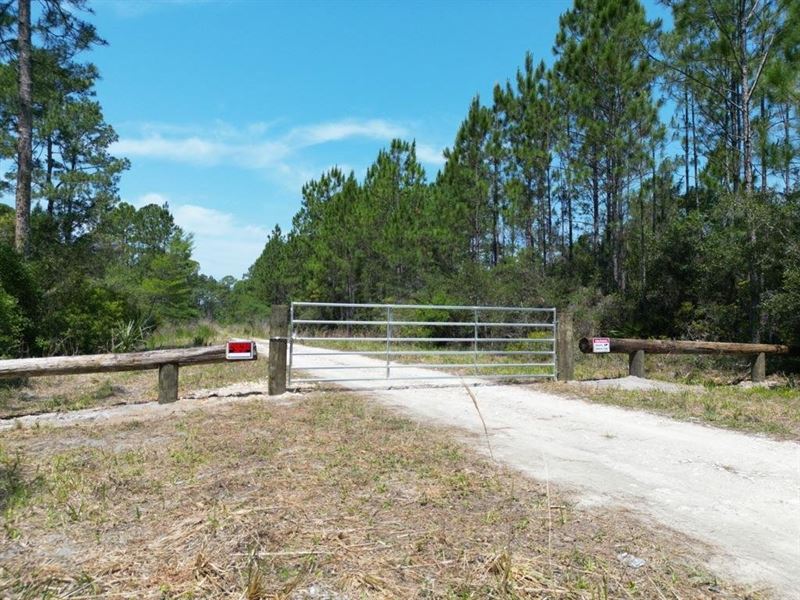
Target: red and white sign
241, 350
601, 345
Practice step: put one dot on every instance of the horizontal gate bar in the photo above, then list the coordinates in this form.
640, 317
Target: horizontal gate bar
425, 323
424, 352
300, 338
408, 377
424, 365
424, 306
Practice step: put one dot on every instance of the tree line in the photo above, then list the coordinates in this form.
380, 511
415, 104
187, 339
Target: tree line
80, 271
648, 178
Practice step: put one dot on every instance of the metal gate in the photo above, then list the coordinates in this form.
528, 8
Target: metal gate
490, 342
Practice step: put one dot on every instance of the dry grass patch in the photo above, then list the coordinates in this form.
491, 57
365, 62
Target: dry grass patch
331, 497
757, 409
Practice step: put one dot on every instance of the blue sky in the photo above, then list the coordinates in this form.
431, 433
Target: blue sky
225, 108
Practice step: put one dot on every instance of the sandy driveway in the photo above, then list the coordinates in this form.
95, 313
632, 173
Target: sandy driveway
738, 493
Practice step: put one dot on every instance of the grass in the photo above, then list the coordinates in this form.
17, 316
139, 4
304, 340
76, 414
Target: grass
201, 333
718, 392
774, 411
328, 497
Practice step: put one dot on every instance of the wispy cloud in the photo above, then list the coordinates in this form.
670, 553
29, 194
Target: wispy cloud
430, 155
151, 198
252, 146
322, 133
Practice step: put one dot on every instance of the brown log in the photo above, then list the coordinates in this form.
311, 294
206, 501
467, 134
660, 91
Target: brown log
627, 346
167, 383
278, 332
565, 347
106, 363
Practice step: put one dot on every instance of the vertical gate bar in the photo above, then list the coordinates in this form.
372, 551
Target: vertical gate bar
556, 334
388, 338
291, 341
475, 344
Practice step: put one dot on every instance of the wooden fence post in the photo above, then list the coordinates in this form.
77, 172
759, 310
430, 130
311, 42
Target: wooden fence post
167, 383
565, 351
758, 370
636, 363
278, 332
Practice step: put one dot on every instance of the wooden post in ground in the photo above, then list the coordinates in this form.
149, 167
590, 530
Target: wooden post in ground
565, 351
278, 333
636, 363
758, 370
167, 383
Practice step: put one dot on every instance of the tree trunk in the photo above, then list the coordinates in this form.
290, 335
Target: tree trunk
686, 138
25, 132
50, 197
643, 249
654, 198
746, 131
569, 213
763, 142
787, 170
694, 153
549, 220
495, 213
595, 203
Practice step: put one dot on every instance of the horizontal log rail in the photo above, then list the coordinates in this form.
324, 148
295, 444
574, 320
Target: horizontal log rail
636, 349
109, 363
628, 345
166, 361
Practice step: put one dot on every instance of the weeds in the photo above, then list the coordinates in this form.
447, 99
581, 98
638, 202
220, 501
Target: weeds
775, 411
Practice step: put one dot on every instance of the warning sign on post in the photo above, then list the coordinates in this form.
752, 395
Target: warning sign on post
601, 345
241, 350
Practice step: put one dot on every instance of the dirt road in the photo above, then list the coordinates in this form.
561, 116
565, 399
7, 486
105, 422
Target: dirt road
738, 493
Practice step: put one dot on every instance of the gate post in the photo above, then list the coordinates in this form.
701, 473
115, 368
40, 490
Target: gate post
278, 333
636, 363
758, 370
565, 355
167, 383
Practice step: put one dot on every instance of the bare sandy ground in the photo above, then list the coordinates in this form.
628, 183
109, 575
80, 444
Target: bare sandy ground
738, 493
640, 383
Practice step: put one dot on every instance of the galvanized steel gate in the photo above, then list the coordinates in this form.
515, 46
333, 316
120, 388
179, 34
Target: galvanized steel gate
489, 336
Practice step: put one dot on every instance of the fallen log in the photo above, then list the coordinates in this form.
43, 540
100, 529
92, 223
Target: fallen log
629, 345
107, 363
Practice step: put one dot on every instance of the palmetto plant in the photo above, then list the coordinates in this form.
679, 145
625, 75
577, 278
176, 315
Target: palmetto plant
130, 335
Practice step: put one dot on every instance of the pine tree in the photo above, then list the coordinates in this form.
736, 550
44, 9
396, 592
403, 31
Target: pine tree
605, 71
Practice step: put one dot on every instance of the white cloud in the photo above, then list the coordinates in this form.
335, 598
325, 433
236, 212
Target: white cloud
251, 147
191, 150
430, 155
223, 245
151, 198
374, 129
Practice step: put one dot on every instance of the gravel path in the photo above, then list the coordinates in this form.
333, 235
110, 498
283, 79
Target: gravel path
738, 493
